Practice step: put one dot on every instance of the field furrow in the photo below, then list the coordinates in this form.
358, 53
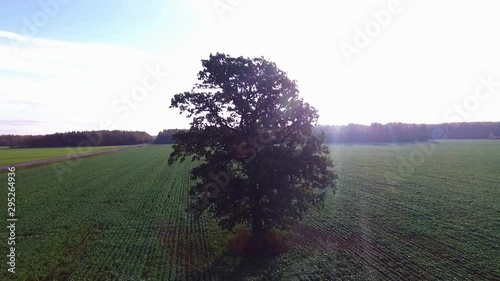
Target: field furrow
123, 216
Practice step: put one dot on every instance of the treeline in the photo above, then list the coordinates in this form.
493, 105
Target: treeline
392, 132
165, 136
352, 133
77, 138
400, 132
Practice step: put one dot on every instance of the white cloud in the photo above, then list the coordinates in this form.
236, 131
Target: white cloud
72, 83
426, 60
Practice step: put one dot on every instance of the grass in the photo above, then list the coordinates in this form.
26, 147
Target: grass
121, 217
19, 155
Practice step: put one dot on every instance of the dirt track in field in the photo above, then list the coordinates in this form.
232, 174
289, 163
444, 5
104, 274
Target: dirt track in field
68, 157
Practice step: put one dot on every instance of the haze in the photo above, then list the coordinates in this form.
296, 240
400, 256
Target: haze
90, 65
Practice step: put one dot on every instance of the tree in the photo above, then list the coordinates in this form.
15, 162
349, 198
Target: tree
165, 136
75, 138
261, 165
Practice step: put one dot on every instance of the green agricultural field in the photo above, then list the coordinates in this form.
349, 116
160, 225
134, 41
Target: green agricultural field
121, 217
19, 155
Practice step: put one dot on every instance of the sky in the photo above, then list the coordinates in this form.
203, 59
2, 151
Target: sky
68, 65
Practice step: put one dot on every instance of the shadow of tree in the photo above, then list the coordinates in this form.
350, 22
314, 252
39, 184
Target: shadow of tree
243, 268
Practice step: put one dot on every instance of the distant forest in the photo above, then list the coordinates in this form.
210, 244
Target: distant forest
165, 136
400, 132
76, 138
352, 133
392, 132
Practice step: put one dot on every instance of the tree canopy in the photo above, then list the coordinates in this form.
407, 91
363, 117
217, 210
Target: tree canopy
261, 165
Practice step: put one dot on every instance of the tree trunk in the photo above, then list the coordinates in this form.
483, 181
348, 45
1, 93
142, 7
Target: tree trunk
257, 231
256, 221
